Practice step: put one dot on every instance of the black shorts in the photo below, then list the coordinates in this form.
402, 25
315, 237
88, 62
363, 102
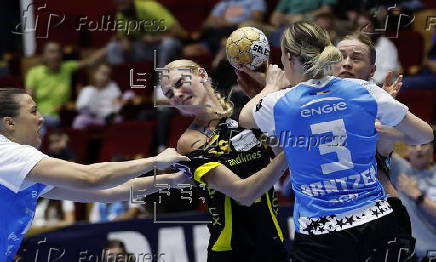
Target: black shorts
386, 239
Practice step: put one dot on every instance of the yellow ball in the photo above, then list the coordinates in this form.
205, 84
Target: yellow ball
247, 46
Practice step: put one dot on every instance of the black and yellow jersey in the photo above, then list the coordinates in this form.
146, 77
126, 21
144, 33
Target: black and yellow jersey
250, 233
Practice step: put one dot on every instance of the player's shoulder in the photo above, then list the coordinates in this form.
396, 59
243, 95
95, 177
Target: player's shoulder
357, 82
272, 98
189, 141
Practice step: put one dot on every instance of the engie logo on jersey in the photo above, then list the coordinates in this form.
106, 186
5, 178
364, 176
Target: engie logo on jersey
324, 109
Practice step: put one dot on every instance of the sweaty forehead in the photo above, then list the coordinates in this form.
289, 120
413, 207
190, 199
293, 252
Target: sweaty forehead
353, 46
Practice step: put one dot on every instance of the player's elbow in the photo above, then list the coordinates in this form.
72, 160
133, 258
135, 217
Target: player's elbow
425, 136
90, 178
244, 195
428, 135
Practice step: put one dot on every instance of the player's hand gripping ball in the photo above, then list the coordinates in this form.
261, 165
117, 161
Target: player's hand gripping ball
247, 46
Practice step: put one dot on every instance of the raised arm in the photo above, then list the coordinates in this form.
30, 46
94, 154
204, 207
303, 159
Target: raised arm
390, 112
416, 130
275, 81
60, 173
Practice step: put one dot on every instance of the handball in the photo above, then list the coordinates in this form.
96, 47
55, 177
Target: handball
247, 46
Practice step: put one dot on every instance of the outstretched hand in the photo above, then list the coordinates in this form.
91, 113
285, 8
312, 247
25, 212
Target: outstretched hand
168, 157
392, 88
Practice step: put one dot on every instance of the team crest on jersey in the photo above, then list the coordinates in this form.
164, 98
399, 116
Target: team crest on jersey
244, 141
259, 105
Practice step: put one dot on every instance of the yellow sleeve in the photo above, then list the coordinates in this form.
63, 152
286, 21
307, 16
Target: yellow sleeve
203, 170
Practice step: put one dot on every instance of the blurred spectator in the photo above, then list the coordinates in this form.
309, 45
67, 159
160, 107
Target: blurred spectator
225, 18
290, 11
99, 103
104, 212
51, 212
328, 22
416, 183
427, 77
58, 146
50, 82
234, 12
156, 29
55, 212
386, 52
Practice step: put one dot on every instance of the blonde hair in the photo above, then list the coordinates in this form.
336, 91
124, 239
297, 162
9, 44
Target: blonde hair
312, 45
196, 69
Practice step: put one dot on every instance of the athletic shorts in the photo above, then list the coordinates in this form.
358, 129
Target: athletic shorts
387, 239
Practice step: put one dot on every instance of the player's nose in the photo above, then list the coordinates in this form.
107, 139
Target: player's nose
346, 62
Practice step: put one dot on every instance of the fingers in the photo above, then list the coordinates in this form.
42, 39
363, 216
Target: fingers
182, 159
388, 78
397, 86
398, 83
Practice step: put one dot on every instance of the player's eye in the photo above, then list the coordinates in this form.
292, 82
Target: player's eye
178, 84
169, 94
357, 58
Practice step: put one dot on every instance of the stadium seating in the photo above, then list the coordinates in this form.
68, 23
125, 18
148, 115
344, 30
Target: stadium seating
178, 127
420, 101
127, 139
407, 41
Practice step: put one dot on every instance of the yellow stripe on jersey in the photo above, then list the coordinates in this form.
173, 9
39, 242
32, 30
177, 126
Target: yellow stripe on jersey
274, 218
224, 241
203, 170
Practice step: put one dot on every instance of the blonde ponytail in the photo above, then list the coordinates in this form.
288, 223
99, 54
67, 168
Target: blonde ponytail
321, 64
311, 44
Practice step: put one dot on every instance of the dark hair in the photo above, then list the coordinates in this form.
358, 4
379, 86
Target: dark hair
9, 107
366, 40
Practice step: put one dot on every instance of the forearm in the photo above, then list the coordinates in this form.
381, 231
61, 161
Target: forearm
416, 130
322, 10
94, 58
111, 174
134, 189
256, 185
140, 187
246, 116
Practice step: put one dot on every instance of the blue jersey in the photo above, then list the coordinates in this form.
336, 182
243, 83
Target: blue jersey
326, 129
18, 196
